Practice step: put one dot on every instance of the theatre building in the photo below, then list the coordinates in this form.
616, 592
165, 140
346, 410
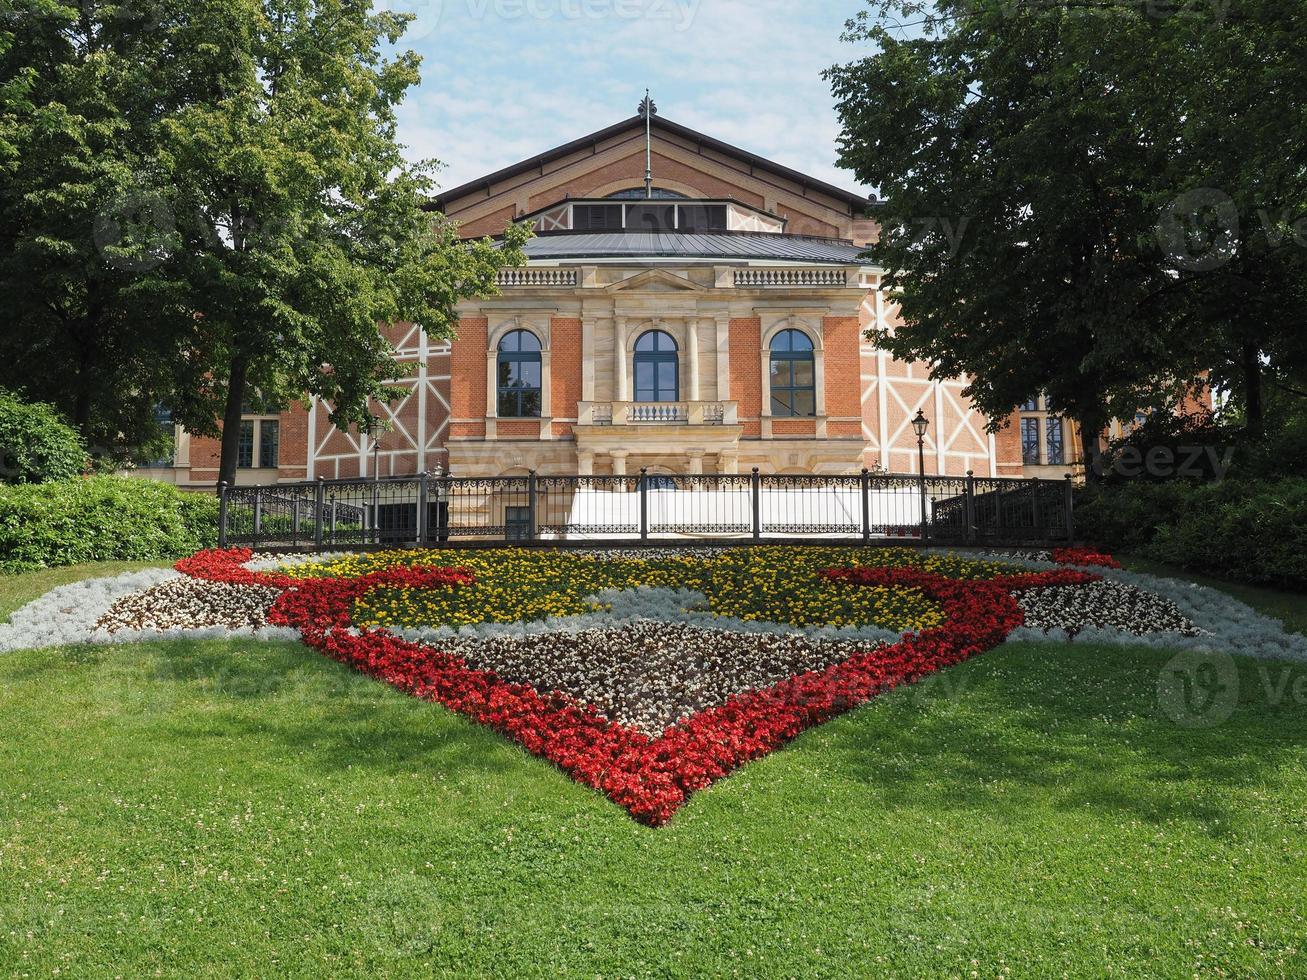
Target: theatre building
686, 307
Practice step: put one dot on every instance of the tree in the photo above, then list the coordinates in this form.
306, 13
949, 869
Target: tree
1234, 234
1019, 153
80, 232
303, 227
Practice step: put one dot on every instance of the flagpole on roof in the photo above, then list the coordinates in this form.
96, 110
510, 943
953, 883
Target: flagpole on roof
648, 109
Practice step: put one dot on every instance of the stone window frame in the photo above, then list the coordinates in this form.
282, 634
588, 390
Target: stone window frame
813, 331
519, 357
538, 324
257, 420
1043, 416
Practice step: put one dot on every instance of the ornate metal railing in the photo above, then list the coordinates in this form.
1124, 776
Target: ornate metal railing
442, 510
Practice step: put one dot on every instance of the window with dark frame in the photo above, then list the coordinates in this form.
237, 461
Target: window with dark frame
793, 375
518, 370
701, 217
245, 447
597, 217
1053, 447
651, 217
1030, 442
269, 443
259, 444
657, 368
517, 523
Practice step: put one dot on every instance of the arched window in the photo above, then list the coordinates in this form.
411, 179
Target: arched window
657, 370
519, 375
793, 380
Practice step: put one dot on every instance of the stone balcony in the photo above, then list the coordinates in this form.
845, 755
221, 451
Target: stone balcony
685, 431
684, 413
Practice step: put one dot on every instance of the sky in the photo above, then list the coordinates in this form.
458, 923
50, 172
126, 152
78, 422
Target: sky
503, 80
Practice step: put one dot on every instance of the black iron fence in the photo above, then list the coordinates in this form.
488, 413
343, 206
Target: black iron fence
439, 510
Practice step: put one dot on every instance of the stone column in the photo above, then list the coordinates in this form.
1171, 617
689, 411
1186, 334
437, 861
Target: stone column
620, 367
727, 462
692, 342
585, 463
696, 461
619, 462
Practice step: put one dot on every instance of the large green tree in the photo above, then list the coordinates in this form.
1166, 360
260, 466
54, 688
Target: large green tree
81, 231
1022, 151
1234, 235
303, 225
214, 208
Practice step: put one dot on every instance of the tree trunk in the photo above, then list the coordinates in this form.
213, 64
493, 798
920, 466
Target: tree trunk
1090, 429
83, 385
1252, 390
231, 420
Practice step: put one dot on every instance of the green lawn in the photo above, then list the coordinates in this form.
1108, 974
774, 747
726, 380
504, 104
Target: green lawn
230, 808
220, 808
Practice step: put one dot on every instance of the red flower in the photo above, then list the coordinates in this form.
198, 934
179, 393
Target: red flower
650, 778
1084, 556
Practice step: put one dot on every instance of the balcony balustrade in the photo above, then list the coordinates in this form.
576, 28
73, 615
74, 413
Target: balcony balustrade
657, 413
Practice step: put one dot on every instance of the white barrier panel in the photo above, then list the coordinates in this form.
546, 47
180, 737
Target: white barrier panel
784, 512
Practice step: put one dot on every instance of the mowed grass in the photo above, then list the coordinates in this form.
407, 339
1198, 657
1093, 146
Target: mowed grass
230, 808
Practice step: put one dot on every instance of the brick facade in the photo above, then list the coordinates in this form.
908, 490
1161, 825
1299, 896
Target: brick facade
588, 317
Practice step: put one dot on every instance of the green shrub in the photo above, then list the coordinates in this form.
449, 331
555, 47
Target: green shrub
1246, 530
36, 444
99, 519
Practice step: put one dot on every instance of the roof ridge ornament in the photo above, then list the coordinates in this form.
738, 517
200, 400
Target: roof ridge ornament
648, 110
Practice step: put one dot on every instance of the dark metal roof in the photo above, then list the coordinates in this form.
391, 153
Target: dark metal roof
857, 203
720, 245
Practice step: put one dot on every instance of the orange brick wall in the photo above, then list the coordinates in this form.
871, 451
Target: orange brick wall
1007, 447
565, 366
467, 386
746, 379
842, 366
293, 452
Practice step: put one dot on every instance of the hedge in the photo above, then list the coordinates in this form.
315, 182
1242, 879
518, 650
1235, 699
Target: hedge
1246, 530
106, 518
36, 444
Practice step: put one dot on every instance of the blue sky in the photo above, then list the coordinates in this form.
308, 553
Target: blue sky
505, 79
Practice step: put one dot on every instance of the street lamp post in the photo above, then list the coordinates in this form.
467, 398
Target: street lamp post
920, 424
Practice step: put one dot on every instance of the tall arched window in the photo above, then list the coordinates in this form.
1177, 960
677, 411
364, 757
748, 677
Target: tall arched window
657, 370
518, 371
793, 380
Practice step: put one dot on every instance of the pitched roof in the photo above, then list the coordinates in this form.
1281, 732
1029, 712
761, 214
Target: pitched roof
855, 201
716, 245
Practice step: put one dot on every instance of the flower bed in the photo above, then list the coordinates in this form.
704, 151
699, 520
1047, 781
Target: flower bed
604, 731
645, 675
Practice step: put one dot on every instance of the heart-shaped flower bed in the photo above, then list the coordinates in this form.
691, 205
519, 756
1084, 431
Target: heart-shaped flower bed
590, 725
